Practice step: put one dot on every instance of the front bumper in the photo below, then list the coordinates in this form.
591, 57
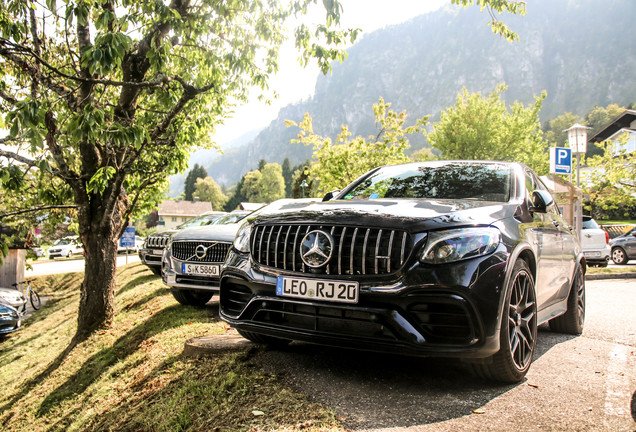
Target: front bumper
9, 323
450, 311
151, 257
173, 275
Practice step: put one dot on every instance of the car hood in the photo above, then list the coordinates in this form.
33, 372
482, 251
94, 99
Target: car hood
411, 214
223, 233
164, 233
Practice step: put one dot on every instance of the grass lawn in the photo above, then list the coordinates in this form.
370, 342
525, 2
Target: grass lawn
133, 377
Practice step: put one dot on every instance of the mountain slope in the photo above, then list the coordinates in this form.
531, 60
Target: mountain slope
579, 52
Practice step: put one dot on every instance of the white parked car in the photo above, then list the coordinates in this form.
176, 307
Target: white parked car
66, 247
595, 243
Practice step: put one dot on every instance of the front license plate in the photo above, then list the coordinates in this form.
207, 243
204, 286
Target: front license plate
592, 254
317, 289
157, 251
200, 269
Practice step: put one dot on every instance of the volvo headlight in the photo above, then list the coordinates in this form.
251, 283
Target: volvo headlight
458, 244
242, 239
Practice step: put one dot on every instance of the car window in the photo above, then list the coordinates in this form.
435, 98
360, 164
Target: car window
200, 221
486, 182
230, 218
589, 223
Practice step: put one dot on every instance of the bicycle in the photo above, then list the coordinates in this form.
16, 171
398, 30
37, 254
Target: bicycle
30, 293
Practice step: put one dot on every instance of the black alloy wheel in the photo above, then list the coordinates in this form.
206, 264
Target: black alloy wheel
619, 256
518, 334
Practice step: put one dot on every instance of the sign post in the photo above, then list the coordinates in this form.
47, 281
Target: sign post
127, 240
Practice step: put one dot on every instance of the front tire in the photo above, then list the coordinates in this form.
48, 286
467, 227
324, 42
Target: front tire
263, 339
518, 334
571, 322
619, 256
191, 297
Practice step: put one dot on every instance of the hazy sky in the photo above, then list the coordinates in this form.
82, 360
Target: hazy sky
294, 83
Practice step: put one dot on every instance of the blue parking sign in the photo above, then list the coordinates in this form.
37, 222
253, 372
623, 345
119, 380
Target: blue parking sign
128, 238
560, 160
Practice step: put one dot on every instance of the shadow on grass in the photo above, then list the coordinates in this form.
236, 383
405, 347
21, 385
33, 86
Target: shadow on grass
125, 346
136, 282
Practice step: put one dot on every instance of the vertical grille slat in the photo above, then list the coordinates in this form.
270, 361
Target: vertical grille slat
356, 250
388, 263
285, 248
341, 243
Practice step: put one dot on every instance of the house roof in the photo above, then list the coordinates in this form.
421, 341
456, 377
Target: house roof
623, 121
183, 208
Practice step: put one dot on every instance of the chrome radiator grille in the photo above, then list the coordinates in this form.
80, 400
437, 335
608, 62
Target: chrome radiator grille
356, 250
156, 242
193, 251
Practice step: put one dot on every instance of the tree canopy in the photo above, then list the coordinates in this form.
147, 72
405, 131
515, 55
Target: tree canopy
206, 189
339, 162
105, 99
197, 172
479, 127
264, 185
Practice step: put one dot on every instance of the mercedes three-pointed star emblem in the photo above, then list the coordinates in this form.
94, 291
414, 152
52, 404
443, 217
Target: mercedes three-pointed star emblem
316, 248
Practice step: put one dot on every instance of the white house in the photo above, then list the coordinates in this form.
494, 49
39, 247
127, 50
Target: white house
173, 213
617, 129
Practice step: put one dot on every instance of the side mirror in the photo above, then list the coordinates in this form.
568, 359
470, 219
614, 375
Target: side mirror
330, 195
541, 200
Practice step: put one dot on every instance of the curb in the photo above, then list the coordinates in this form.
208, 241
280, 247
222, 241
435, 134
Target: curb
215, 344
601, 276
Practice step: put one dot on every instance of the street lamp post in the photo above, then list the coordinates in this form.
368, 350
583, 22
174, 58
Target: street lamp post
577, 138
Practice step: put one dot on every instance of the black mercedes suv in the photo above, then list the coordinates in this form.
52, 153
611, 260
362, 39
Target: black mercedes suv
448, 258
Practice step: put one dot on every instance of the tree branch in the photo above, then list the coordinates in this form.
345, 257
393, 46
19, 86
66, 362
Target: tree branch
36, 209
17, 157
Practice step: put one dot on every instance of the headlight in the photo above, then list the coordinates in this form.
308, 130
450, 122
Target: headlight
242, 239
458, 244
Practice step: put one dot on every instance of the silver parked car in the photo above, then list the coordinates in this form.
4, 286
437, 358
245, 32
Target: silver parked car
14, 298
152, 249
10, 319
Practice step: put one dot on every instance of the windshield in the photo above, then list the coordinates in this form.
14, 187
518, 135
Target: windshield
230, 218
62, 242
486, 182
200, 220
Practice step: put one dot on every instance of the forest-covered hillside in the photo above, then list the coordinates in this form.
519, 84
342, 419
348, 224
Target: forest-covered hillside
581, 52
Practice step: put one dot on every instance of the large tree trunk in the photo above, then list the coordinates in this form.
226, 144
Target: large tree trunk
99, 232
96, 309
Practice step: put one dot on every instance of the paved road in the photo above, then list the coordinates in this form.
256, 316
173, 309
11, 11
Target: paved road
585, 383
72, 265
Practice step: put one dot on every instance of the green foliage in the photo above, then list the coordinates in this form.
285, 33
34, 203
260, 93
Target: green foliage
105, 100
611, 182
339, 163
197, 172
264, 186
498, 6
478, 127
554, 129
206, 189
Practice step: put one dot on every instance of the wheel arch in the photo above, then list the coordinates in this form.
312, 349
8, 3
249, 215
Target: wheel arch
524, 252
